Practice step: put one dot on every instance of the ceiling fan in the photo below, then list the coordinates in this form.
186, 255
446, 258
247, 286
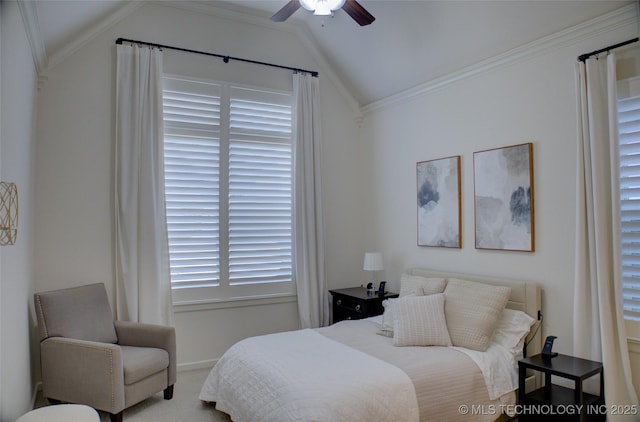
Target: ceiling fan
325, 7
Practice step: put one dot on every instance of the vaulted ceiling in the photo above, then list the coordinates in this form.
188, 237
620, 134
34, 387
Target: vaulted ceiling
410, 42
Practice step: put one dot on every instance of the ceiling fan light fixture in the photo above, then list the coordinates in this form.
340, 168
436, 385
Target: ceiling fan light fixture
335, 4
322, 7
325, 7
308, 4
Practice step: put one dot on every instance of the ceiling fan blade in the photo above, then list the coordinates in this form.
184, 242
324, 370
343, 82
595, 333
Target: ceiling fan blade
288, 10
358, 13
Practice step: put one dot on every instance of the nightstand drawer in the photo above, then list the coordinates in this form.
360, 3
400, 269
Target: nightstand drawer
357, 303
351, 305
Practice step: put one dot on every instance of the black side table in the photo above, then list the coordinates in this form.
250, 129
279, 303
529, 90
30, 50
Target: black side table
357, 303
559, 397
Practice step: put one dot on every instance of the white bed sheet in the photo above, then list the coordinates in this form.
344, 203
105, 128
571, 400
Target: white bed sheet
498, 369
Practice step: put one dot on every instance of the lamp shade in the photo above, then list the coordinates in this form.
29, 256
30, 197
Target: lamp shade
372, 261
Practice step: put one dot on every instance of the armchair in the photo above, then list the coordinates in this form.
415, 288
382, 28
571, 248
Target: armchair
87, 358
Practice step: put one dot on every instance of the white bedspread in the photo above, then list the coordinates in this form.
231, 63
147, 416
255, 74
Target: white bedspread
268, 378
444, 378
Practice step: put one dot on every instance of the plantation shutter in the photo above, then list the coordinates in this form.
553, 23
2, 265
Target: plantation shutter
229, 191
629, 146
192, 180
260, 187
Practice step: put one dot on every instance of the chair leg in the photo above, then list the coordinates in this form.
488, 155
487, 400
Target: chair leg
168, 392
117, 417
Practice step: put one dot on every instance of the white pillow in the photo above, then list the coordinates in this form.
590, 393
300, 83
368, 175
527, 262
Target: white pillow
420, 321
472, 311
512, 329
411, 283
388, 316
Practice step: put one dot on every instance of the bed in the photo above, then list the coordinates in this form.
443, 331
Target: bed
447, 349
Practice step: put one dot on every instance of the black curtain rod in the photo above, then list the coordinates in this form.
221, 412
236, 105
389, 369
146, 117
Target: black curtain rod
584, 57
222, 56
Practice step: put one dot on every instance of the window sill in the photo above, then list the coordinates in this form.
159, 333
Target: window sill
634, 344
241, 302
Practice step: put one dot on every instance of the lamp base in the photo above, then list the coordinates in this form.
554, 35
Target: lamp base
371, 288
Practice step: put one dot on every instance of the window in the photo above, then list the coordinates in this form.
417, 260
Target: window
228, 185
629, 138
629, 167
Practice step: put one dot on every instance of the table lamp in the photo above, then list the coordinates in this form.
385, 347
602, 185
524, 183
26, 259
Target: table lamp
373, 263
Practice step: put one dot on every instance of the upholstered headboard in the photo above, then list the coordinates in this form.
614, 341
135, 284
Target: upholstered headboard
525, 296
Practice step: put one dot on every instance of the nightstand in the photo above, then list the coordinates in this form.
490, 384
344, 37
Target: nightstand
357, 303
559, 397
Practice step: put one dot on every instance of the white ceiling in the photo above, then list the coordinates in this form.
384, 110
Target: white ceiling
410, 42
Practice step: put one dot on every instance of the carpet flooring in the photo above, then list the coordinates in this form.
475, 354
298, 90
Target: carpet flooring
184, 407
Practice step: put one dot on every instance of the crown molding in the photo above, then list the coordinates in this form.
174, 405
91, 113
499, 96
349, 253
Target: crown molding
32, 29
115, 17
229, 12
627, 15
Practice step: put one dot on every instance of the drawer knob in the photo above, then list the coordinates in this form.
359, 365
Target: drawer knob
357, 307
339, 302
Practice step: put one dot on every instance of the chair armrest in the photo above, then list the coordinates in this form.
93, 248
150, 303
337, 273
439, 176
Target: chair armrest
150, 335
80, 371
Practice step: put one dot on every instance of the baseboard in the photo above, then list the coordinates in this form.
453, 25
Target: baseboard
192, 366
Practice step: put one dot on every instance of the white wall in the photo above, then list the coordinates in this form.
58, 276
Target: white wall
75, 162
527, 98
368, 173
17, 139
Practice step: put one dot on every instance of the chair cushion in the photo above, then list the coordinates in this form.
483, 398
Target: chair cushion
141, 362
81, 312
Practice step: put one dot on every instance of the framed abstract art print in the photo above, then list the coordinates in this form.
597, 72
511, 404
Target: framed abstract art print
503, 198
438, 200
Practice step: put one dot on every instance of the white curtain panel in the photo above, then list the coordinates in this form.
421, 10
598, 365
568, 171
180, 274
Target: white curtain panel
313, 302
143, 283
598, 323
